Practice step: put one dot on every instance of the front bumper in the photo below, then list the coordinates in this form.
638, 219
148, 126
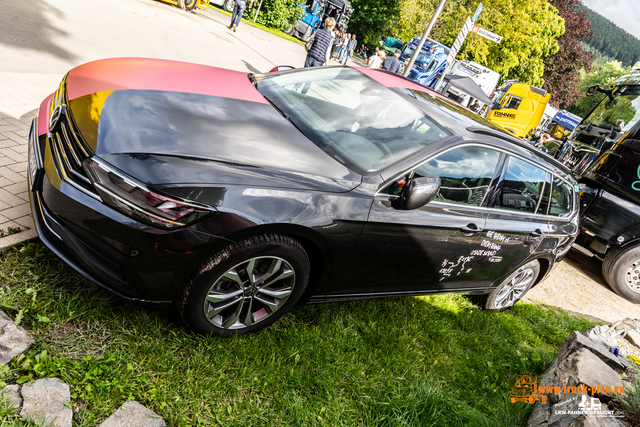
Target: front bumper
130, 259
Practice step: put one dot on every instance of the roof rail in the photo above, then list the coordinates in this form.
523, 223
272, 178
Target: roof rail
508, 137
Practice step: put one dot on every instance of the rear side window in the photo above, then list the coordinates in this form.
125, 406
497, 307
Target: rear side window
561, 198
522, 187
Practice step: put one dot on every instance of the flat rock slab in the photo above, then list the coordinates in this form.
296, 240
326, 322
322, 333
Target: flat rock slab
581, 367
44, 402
577, 341
13, 339
133, 414
12, 394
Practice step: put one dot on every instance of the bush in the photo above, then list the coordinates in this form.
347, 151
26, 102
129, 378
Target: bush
278, 14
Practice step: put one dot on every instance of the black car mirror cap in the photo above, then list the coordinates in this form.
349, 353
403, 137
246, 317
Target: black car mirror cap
419, 192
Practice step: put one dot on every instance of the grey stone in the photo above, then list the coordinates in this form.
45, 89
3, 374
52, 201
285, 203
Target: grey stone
133, 414
13, 339
577, 341
633, 337
13, 396
580, 367
44, 402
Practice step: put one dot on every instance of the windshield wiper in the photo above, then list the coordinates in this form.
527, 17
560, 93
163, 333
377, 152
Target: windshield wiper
285, 115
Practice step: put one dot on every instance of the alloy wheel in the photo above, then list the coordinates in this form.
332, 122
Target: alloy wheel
249, 292
512, 291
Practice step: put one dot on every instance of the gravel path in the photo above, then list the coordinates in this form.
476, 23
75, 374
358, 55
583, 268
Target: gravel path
576, 285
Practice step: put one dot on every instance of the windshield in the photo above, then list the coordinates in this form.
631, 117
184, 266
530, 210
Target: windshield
422, 59
351, 117
500, 92
619, 114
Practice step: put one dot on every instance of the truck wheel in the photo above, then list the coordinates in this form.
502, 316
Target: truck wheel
228, 5
187, 5
621, 270
290, 30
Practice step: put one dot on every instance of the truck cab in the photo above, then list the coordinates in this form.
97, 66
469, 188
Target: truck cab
518, 107
609, 179
315, 13
431, 61
484, 77
616, 112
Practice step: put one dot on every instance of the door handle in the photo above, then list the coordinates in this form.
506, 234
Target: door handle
471, 228
536, 233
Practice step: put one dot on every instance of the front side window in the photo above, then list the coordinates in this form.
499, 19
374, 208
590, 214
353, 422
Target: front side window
353, 118
512, 102
465, 174
523, 184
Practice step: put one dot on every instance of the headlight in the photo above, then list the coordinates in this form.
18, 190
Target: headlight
135, 200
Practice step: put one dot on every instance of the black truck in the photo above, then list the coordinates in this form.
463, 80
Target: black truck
604, 152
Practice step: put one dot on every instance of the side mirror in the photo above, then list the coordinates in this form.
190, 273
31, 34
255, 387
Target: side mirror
592, 90
419, 192
281, 68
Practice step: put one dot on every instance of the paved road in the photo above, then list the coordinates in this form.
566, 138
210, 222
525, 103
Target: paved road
41, 41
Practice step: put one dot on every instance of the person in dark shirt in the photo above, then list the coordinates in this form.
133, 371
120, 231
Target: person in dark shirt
392, 63
318, 55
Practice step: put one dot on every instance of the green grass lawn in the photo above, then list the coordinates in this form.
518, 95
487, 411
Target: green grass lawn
414, 361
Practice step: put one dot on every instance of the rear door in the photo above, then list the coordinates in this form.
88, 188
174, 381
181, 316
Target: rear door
518, 222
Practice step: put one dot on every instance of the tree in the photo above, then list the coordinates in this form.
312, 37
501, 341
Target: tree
603, 73
562, 69
277, 13
372, 18
529, 29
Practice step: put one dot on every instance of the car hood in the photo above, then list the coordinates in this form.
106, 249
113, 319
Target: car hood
166, 137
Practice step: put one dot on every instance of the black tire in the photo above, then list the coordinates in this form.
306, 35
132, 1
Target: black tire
187, 5
232, 293
228, 5
621, 270
290, 30
513, 288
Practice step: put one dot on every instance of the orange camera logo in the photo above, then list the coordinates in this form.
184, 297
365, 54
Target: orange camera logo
526, 390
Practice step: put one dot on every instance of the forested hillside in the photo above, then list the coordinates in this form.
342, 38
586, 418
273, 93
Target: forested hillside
612, 40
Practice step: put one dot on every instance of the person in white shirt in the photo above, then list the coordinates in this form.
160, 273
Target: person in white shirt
375, 62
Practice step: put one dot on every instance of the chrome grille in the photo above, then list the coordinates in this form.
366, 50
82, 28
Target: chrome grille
68, 147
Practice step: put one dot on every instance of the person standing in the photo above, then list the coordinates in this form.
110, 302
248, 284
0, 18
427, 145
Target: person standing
343, 50
318, 55
338, 45
392, 63
238, 10
475, 106
350, 48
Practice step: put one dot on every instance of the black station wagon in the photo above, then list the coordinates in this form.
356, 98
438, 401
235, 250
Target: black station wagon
240, 198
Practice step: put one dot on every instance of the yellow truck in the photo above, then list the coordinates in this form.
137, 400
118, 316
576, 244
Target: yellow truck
188, 5
518, 107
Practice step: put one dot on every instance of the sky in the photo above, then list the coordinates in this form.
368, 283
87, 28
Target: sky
624, 13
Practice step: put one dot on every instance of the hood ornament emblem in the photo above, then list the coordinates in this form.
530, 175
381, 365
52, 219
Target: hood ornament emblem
55, 116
